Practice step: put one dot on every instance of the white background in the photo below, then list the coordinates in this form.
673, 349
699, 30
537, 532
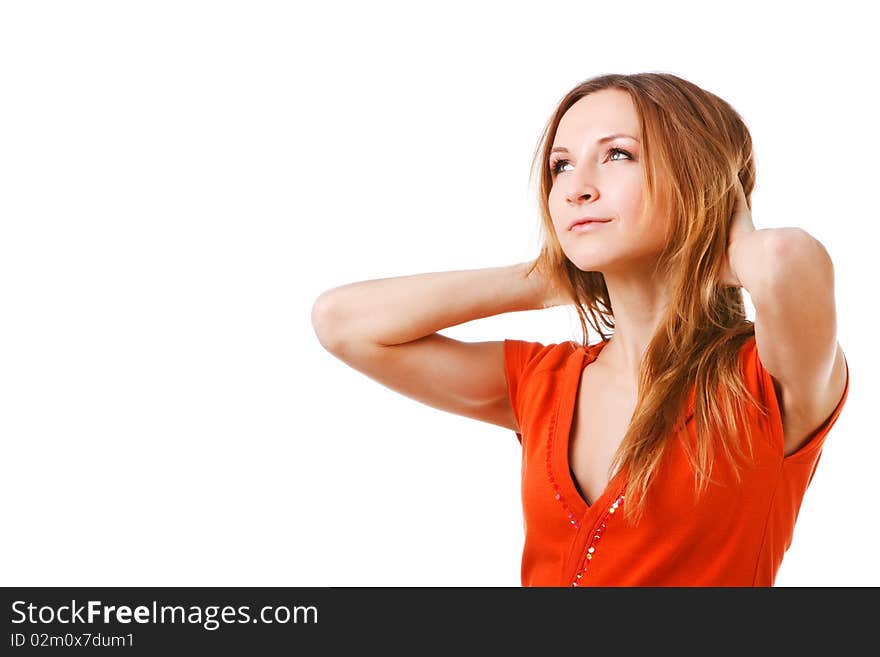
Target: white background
179, 181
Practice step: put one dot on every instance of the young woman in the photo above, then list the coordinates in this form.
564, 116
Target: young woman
677, 450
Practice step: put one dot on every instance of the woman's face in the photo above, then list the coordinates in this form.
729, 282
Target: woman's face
592, 178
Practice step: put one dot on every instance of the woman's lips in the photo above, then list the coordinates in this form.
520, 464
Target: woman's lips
588, 226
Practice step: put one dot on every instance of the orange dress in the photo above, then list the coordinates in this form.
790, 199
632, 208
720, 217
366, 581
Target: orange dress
734, 535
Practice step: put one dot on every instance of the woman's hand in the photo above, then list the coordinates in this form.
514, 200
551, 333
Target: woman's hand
544, 293
740, 225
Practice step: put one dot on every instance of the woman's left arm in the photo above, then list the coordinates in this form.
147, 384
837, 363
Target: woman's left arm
789, 276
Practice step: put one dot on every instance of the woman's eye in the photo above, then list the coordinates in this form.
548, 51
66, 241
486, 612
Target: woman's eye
554, 166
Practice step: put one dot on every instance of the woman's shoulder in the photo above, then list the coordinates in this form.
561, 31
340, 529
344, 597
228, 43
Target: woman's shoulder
535, 356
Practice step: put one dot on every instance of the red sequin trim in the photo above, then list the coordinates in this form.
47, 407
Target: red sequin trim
557, 492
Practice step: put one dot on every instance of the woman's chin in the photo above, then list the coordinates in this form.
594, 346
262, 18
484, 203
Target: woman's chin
590, 264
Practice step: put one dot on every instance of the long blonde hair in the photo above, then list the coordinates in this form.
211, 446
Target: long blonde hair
694, 145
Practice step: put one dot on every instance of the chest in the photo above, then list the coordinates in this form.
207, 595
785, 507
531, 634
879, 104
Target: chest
601, 417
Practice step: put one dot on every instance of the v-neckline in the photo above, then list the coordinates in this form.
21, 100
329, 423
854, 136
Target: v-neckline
561, 461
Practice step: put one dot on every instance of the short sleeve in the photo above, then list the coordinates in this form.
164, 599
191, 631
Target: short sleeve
521, 358
762, 382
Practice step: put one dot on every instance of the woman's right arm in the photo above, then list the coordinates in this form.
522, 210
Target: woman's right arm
387, 329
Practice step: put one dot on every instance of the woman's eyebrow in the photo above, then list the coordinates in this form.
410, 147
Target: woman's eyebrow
598, 141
